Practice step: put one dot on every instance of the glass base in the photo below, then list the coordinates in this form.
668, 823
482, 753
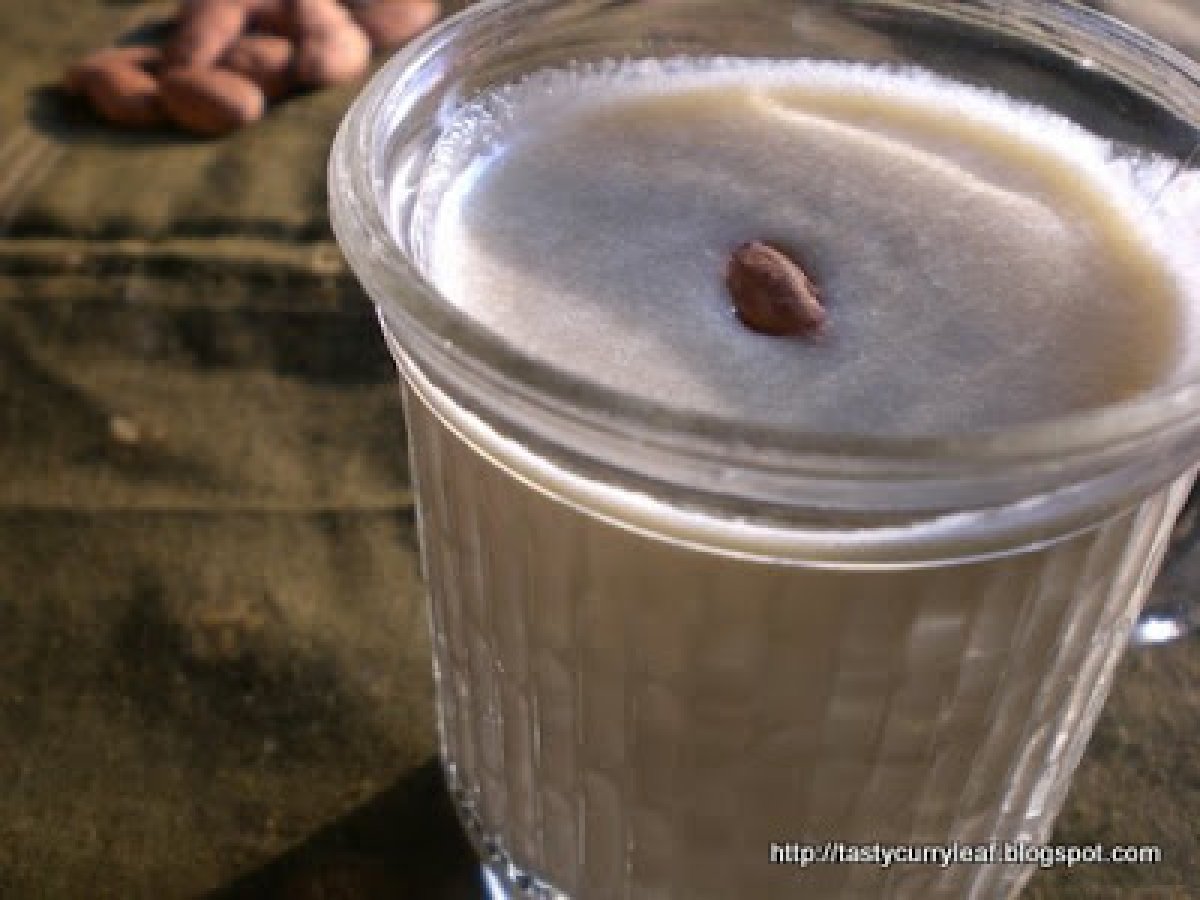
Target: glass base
504, 881
502, 878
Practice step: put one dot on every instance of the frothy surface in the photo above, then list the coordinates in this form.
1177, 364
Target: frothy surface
983, 263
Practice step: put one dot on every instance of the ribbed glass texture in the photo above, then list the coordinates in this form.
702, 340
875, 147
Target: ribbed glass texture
626, 718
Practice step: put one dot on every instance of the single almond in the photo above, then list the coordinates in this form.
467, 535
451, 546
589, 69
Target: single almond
312, 16
205, 30
120, 85
393, 23
83, 71
336, 55
266, 59
772, 293
211, 102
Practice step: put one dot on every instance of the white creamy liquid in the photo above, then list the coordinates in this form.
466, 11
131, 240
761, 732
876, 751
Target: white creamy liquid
632, 719
983, 264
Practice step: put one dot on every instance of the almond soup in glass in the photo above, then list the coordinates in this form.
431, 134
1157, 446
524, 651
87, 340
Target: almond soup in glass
700, 593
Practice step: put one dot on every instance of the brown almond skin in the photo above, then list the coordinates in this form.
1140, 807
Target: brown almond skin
205, 31
771, 293
79, 73
120, 87
265, 59
271, 17
391, 24
315, 16
333, 56
211, 102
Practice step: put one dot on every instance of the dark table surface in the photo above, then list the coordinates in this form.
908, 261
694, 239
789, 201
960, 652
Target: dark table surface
215, 674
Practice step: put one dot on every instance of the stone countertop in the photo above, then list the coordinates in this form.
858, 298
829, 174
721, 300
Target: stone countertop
215, 674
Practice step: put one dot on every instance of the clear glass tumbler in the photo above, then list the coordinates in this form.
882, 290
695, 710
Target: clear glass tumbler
1172, 612
668, 647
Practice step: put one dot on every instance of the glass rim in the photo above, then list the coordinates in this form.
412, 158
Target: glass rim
435, 333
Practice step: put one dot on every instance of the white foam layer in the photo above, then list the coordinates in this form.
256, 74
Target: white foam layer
984, 263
